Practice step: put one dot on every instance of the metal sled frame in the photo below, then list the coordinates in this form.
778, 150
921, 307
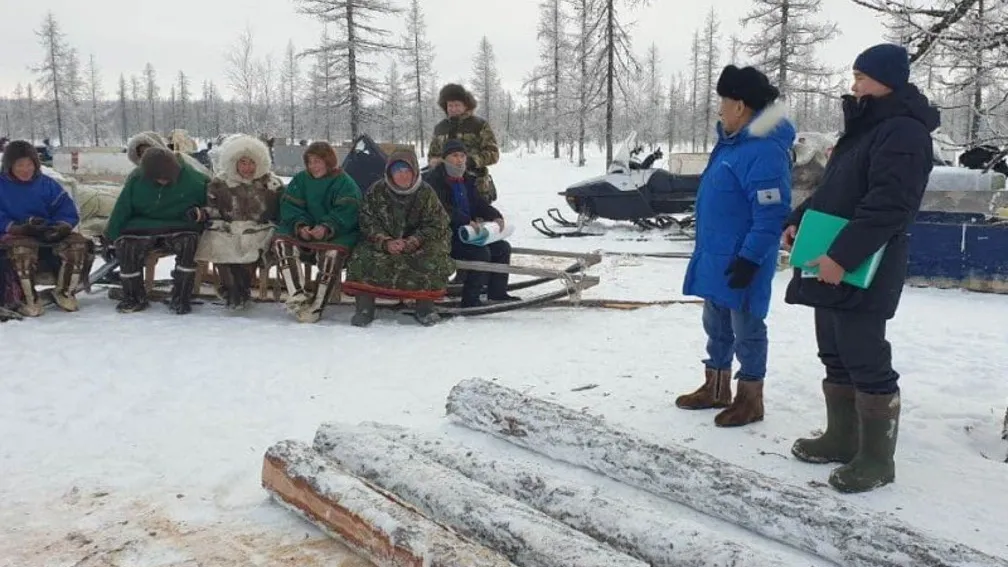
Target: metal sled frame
686, 228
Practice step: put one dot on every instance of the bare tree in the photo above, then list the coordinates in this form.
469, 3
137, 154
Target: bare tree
587, 44
325, 94
786, 39
241, 75
51, 71
184, 97
485, 77
31, 113
418, 57
290, 77
266, 83
617, 61
734, 49
695, 88
360, 38
152, 92
135, 97
392, 103
552, 43
710, 55
652, 124
96, 94
123, 108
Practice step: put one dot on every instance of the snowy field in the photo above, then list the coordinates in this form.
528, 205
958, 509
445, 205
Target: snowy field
138, 439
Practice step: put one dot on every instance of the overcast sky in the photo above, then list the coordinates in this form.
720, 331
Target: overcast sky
195, 35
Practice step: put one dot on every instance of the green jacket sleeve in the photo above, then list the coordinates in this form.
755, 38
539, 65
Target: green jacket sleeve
344, 210
294, 207
122, 211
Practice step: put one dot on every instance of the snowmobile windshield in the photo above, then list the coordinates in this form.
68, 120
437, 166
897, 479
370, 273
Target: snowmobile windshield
621, 157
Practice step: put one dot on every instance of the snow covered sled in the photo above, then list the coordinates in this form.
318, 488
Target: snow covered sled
631, 190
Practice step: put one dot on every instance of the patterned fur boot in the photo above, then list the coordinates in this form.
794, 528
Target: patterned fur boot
329, 281
714, 393
73, 252
839, 443
23, 254
746, 408
290, 271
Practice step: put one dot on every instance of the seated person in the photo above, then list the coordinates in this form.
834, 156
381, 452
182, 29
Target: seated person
318, 213
456, 188
149, 215
243, 200
37, 218
138, 144
405, 249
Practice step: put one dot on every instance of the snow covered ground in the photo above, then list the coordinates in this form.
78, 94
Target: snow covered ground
138, 440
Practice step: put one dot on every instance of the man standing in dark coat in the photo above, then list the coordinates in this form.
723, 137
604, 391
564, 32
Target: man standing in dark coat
875, 178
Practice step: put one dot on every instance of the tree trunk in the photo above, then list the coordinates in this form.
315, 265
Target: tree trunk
804, 518
372, 523
636, 526
525, 536
610, 76
355, 98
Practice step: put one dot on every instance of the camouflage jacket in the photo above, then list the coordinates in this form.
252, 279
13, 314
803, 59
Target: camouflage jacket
475, 134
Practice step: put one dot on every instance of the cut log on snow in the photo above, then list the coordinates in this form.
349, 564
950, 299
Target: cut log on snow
524, 535
801, 517
371, 523
637, 527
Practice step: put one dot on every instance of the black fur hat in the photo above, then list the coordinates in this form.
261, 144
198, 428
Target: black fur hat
16, 150
453, 91
747, 84
160, 163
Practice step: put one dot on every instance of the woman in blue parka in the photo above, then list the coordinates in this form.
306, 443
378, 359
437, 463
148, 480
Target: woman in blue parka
743, 201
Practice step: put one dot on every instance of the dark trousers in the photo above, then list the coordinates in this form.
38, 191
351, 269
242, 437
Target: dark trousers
496, 252
854, 350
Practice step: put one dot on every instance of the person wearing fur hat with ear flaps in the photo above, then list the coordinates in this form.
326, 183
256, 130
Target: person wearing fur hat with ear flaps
743, 199
151, 214
475, 134
318, 215
405, 252
240, 216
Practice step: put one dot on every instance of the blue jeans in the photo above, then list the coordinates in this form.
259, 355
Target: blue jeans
735, 333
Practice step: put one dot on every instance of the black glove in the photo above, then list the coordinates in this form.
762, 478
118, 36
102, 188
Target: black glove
741, 273
56, 232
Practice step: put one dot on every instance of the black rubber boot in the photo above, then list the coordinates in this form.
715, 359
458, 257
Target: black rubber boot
364, 310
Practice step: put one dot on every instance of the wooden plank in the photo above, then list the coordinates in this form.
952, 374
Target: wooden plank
637, 526
816, 521
371, 523
524, 535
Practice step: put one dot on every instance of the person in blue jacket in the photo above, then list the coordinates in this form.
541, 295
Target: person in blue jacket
37, 218
742, 203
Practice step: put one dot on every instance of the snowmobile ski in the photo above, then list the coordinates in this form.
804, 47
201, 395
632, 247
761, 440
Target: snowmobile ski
540, 225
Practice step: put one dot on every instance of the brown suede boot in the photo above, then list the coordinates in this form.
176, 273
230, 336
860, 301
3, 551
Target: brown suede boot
715, 392
747, 407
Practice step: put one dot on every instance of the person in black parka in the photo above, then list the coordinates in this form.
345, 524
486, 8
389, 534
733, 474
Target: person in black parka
457, 189
875, 177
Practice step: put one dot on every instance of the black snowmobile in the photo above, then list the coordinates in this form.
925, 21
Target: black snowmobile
631, 190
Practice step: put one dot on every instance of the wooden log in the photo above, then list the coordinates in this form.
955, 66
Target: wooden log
811, 520
525, 536
372, 523
639, 526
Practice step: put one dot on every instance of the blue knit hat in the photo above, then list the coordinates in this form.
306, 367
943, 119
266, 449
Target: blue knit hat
887, 63
451, 146
398, 166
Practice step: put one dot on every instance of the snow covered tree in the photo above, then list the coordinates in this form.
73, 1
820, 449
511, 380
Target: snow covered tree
651, 125
151, 92
785, 40
184, 97
485, 78
52, 70
616, 60
325, 75
393, 102
290, 79
123, 108
694, 87
586, 83
241, 74
552, 43
359, 38
135, 96
418, 59
95, 93
710, 55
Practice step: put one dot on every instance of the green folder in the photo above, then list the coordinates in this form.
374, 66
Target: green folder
816, 234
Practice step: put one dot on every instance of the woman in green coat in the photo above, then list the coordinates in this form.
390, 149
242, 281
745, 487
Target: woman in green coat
406, 247
318, 214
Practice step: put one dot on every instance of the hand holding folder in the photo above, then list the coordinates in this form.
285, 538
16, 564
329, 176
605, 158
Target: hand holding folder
816, 234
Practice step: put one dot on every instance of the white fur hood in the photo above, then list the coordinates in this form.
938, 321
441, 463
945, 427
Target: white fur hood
768, 120
152, 139
238, 147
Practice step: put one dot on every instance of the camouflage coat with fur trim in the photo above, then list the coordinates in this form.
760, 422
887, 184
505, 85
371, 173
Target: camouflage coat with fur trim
154, 140
475, 134
241, 214
423, 268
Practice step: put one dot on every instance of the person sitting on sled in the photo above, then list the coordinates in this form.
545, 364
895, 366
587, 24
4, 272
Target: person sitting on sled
138, 144
318, 214
150, 214
37, 218
456, 189
243, 201
406, 247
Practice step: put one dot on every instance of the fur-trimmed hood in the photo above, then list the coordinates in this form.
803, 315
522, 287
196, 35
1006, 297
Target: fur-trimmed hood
152, 139
19, 149
408, 156
767, 120
454, 91
238, 147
